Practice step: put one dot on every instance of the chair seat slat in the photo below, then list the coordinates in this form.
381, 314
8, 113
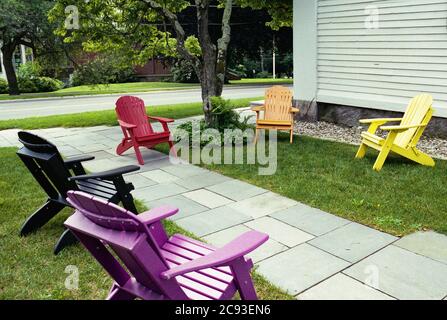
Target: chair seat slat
203, 279
189, 255
214, 273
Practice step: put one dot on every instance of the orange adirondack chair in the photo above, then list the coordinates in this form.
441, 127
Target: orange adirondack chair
278, 111
137, 128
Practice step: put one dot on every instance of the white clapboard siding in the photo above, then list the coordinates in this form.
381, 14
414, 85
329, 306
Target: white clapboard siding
382, 68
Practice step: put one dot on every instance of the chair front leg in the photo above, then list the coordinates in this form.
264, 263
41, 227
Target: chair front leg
386, 149
362, 151
244, 283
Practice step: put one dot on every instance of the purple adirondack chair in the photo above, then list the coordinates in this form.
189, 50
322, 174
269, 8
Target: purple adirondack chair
155, 266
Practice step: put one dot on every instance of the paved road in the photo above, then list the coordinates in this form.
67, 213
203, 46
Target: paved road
18, 109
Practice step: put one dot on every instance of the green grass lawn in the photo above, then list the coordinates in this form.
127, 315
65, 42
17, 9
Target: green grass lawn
122, 88
404, 197
104, 89
29, 270
108, 117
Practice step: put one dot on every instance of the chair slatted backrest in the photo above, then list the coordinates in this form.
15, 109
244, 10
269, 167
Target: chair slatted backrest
107, 223
278, 103
44, 161
133, 111
419, 111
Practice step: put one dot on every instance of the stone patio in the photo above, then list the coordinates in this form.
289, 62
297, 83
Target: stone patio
311, 254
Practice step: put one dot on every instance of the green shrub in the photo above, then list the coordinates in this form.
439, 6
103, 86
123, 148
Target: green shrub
45, 84
29, 70
263, 75
223, 117
222, 114
183, 72
39, 84
27, 85
3, 86
103, 70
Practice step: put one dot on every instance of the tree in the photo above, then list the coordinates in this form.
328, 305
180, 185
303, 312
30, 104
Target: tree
141, 29
22, 22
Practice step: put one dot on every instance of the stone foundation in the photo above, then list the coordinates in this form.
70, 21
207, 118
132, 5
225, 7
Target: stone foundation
350, 116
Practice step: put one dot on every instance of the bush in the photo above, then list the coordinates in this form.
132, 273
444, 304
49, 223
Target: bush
264, 75
45, 84
183, 72
102, 70
29, 70
39, 84
223, 117
3, 86
27, 85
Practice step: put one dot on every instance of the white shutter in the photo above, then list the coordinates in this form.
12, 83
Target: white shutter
386, 66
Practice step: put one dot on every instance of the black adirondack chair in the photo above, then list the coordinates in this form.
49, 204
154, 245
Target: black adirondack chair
57, 176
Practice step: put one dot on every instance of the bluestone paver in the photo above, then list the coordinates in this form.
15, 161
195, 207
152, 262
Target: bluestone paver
139, 181
342, 287
202, 180
263, 204
158, 191
211, 221
186, 206
184, 170
429, 244
159, 176
99, 155
268, 249
403, 274
69, 151
102, 165
353, 242
300, 268
236, 190
207, 198
148, 166
91, 148
309, 219
280, 231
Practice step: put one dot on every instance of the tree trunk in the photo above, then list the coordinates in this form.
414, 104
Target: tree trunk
211, 69
8, 55
214, 65
209, 58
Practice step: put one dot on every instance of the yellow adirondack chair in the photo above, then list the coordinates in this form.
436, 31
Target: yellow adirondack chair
402, 139
278, 111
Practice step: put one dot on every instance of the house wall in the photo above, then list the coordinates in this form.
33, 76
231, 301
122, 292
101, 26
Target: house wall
22, 49
371, 54
2, 68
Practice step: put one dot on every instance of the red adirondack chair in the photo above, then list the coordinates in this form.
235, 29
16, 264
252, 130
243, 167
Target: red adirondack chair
156, 266
137, 128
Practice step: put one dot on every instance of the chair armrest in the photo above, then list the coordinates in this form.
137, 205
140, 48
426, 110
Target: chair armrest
157, 214
258, 109
401, 128
294, 110
78, 159
383, 120
234, 250
106, 175
162, 120
126, 125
